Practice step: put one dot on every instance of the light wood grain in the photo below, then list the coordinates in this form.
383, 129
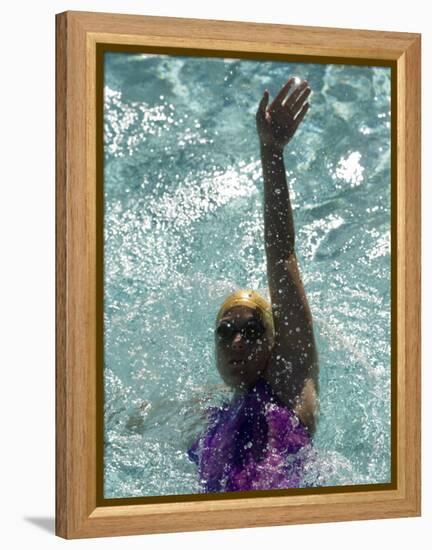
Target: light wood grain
239, 36
61, 251
78, 33
412, 260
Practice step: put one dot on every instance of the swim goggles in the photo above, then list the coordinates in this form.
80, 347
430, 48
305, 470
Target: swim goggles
251, 331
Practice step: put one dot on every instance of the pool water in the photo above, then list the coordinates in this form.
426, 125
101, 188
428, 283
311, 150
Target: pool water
183, 227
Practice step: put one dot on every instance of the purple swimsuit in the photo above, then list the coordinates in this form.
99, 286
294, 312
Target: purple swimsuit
251, 443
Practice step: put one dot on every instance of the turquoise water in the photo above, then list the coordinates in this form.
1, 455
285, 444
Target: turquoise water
183, 227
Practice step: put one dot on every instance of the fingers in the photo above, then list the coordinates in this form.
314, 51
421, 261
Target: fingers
277, 102
298, 97
262, 107
288, 114
264, 101
300, 115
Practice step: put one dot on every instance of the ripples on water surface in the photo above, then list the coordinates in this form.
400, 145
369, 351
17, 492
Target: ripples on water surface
184, 227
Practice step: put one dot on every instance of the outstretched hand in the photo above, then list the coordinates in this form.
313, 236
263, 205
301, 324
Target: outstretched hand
277, 123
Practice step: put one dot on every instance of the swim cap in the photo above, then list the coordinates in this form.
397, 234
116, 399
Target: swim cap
254, 300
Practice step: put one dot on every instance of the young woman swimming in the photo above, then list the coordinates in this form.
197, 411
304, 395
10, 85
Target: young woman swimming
266, 353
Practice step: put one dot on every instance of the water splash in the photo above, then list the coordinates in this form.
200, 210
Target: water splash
183, 227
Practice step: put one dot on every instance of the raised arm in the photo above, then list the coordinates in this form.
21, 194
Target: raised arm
293, 368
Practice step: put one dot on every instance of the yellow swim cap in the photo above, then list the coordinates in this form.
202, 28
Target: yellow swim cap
254, 300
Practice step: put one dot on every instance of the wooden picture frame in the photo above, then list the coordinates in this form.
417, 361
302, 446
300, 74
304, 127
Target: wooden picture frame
79, 512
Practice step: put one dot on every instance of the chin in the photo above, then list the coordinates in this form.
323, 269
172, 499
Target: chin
246, 382
232, 375
236, 381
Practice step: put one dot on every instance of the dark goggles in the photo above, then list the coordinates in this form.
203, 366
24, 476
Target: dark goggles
251, 331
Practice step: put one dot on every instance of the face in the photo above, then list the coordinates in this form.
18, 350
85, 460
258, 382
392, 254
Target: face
242, 347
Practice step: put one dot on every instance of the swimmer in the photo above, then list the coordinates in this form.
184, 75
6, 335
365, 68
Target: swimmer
266, 353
